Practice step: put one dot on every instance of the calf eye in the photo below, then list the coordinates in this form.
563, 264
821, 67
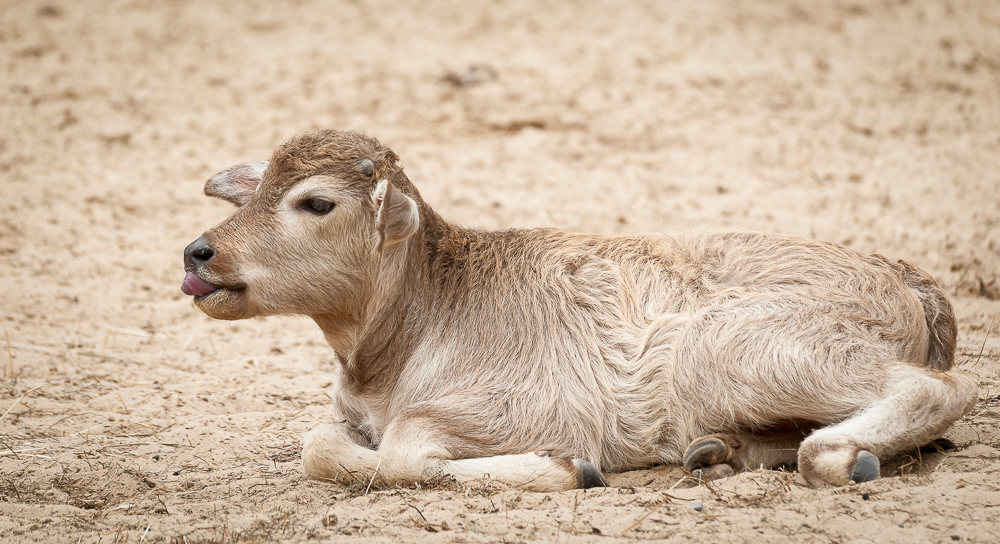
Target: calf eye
317, 206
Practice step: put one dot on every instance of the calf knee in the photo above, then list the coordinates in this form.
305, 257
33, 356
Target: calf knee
330, 452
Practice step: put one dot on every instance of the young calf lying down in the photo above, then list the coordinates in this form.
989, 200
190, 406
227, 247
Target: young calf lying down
541, 358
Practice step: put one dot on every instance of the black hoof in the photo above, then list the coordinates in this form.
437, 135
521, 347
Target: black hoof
866, 468
713, 472
588, 476
706, 452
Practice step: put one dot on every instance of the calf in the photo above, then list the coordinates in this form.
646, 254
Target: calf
541, 358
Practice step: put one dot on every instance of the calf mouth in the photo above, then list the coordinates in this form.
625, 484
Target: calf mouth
197, 287
194, 286
218, 300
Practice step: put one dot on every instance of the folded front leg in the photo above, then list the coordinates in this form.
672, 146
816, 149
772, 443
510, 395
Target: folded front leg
537, 471
418, 449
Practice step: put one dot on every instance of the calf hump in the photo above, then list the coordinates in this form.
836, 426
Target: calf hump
238, 183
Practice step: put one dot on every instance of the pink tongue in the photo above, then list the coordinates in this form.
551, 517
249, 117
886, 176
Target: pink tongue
195, 286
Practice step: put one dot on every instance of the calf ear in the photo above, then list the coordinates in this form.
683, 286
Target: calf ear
396, 218
236, 183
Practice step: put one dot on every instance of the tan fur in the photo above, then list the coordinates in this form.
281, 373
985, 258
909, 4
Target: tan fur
460, 344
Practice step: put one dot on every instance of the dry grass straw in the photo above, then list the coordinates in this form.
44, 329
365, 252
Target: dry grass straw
666, 499
642, 518
20, 399
128, 332
10, 358
127, 411
983, 347
280, 422
374, 474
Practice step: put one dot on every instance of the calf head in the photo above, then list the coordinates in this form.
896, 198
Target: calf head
310, 230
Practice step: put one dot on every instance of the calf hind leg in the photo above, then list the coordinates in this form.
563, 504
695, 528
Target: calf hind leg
919, 405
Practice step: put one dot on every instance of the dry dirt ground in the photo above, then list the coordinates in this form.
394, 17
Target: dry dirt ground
128, 416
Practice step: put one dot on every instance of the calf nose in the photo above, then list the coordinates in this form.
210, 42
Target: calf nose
198, 253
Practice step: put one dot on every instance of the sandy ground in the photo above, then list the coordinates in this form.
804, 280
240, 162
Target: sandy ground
134, 418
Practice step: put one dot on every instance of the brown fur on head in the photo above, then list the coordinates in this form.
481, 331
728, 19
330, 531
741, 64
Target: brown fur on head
331, 152
298, 256
336, 153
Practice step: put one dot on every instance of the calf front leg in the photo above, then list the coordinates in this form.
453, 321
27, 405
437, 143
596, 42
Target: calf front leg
415, 450
334, 452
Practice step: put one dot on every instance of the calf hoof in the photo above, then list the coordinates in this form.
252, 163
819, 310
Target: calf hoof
835, 461
712, 457
712, 473
866, 468
709, 450
587, 475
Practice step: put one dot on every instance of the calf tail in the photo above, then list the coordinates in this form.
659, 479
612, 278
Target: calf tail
942, 331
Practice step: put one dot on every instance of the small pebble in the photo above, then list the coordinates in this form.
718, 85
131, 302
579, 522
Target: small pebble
696, 506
